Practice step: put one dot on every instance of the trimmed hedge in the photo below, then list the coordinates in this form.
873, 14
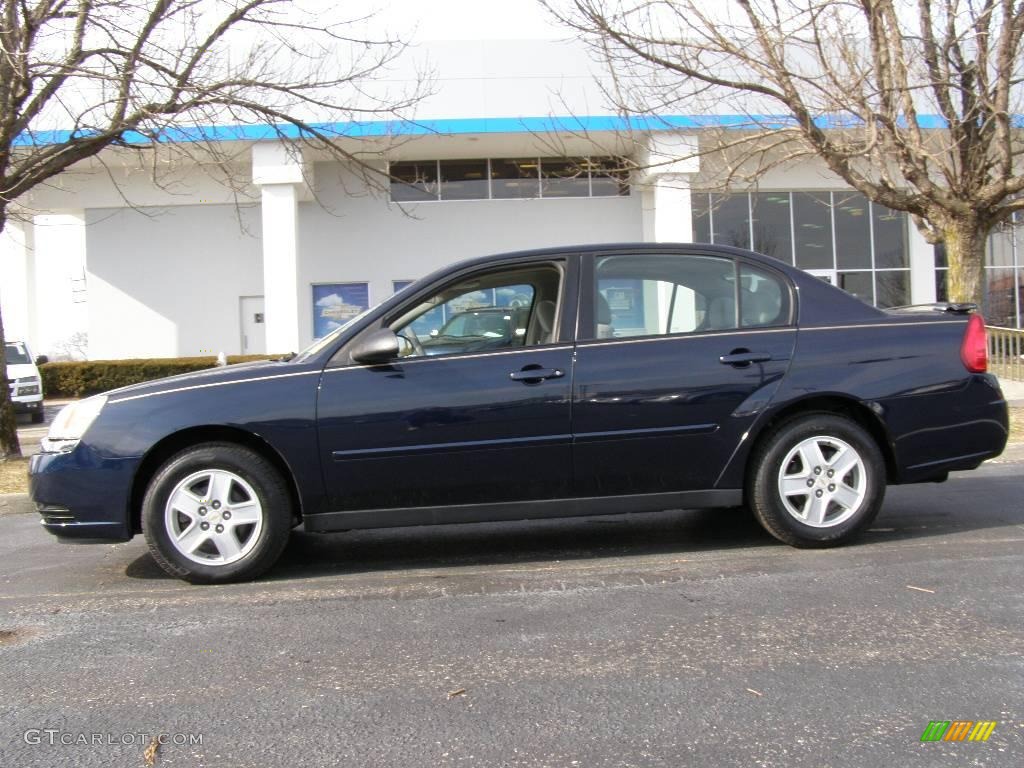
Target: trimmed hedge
90, 377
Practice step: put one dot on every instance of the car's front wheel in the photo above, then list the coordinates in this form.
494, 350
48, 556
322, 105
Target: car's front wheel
817, 481
216, 512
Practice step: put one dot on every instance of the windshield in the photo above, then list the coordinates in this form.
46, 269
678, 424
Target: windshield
16, 353
320, 344
478, 324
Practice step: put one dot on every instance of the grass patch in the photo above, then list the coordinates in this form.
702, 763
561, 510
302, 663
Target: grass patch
1017, 425
14, 476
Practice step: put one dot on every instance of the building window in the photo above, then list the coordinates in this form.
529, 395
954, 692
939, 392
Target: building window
335, 304
1004, 282
507, 179
839, 236
463, 179
414, 181
515, 178
566, 178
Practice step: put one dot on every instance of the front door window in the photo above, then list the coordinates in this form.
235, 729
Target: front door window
484, 313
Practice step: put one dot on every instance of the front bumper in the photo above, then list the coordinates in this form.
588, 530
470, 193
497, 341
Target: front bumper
27, 405
81, 495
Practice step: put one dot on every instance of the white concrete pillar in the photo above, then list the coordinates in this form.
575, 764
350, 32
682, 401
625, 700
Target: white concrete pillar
281, 266
283, 177
669, 162
60, 301
17, 281
921, 255
672, 209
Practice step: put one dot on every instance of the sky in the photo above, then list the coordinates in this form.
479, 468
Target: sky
470, 19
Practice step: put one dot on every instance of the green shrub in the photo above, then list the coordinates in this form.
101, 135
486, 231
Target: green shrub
90, 377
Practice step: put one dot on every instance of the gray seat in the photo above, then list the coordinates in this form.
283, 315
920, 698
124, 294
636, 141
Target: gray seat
759, 308
603, 317
542, 323
721, 313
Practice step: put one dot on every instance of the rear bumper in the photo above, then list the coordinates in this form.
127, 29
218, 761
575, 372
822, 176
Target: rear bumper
82, 496
975, 427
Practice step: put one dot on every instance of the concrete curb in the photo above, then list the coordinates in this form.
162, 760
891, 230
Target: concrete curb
15, 504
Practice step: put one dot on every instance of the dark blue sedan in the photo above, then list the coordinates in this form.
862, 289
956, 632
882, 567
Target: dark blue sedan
639, 377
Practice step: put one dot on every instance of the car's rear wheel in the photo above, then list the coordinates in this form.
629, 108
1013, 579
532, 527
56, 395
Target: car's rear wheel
817, 481
216, 512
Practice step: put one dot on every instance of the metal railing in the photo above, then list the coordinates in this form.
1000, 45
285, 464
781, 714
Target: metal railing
1005, 351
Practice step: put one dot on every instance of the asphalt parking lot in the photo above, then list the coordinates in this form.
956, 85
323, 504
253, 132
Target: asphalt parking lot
669, 639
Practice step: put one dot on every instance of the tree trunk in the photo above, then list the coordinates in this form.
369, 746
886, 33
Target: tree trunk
9, 445
965, 250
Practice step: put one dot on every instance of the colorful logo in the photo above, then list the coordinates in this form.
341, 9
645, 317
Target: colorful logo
958, 730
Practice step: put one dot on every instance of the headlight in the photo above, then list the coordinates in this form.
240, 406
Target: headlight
72, 422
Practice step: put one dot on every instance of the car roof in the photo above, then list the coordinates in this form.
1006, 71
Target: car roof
724, 250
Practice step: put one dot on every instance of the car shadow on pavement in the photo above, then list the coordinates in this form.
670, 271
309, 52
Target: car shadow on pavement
910, 513
448, 546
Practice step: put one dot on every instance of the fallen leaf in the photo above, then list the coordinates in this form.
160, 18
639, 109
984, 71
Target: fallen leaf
456, 692
921, 589
151, 750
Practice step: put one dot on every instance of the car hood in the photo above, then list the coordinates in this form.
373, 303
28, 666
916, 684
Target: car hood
222, 374
21, 371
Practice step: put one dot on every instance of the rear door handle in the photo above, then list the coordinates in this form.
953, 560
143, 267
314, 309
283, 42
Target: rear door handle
533, 374
744, 357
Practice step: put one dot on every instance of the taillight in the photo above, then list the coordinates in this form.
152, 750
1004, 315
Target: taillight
974, 348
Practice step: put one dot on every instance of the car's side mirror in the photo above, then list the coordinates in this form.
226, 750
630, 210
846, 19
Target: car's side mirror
381, 346
42, 359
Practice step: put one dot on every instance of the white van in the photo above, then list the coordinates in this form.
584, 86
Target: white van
25, 381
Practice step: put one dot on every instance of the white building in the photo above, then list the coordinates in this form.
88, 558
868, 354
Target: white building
510, 153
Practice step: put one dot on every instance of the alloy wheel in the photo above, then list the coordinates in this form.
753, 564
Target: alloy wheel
822, 481
213, 517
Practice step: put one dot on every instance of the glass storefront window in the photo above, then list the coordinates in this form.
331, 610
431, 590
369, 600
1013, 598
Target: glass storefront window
464, 180
815, 231
812, 230
859, 284
564, 178
773, 233
1000, 305
853, 230
701, 214
608, 177
414, 181
730, 219
892, 288
515, 178
890, 237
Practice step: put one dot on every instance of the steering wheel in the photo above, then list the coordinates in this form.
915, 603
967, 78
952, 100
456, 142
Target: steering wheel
409, 334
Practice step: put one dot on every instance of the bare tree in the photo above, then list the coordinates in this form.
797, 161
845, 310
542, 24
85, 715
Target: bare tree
79, 77
914, 103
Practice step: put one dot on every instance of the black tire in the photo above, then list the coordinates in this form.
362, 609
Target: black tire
765, 498
37, 417
270, 490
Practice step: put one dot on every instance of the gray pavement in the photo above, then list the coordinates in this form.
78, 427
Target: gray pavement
29, 434
669, 639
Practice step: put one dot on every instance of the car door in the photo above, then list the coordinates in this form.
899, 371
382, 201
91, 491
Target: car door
460, 420
677, 352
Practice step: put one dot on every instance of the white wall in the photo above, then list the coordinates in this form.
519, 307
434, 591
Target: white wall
58, 290
166, 282
17, 281
366, 239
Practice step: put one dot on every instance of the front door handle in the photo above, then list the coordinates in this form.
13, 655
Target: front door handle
534, 374
744, 357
